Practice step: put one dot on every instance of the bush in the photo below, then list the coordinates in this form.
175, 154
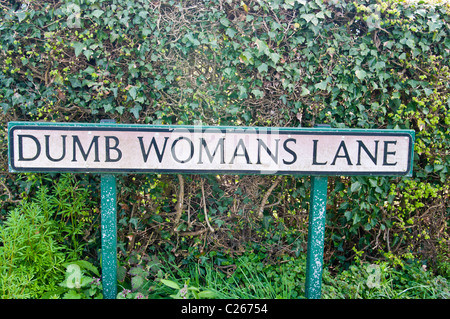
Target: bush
31, 259
39, 238
382, 281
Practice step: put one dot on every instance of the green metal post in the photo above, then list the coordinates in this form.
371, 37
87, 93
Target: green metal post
109, 231
109, 235
316, 234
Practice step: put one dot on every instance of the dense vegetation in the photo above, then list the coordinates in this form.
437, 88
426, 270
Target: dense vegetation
287, 63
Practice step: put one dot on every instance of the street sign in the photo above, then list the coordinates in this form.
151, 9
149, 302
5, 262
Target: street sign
108, 148
97, 148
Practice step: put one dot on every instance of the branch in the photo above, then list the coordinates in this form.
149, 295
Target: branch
180, 199
266, 196
204, 207
193, 233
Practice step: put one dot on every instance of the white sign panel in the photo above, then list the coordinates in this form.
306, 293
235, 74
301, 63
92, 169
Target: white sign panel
226, 150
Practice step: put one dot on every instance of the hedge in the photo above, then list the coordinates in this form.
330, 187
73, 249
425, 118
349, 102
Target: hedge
286, 63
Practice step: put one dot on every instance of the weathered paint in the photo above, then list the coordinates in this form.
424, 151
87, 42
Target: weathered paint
316, 233
109, 235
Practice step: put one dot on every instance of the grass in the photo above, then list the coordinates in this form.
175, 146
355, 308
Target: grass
252, 279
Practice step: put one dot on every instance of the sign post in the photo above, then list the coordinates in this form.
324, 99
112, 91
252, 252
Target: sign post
316, 234
108, 190
108, 148
109, 235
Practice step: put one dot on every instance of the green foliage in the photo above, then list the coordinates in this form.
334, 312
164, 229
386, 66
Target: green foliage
138, 277
250, 276
70, 205
31, 260
187, 292
40, 236
245, 277
79, 282
381, 281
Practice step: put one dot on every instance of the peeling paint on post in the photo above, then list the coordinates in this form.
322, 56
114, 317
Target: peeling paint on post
109, 235
316, 234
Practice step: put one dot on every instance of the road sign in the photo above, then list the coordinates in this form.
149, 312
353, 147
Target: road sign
108, 148
97, 148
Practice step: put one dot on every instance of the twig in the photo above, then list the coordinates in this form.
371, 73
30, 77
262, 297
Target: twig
204, 206
266, 196
7, 190
193, 233
180, 199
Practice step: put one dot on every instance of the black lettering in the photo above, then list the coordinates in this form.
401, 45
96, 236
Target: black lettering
220, 144
242, 145
290, 151
47, 148
108, 149
263, 145
38, 148
372, 157
315, 154
94, 143
173, 150
342, 146
386, 153
145, 154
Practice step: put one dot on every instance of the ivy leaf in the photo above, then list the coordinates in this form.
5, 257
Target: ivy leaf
135, 110
356, 219
132, 91
78, 46
309, 17
434, 24
263, 68
97, 13
373, 182
258, 93
428, 92
275, 57
225, 22
159, 85
230, 32
348, 214
262, 46
246, 57
410, 43
361, 74
320, 15
355, 186
321, 86
88, 53
305, 91
21, 15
